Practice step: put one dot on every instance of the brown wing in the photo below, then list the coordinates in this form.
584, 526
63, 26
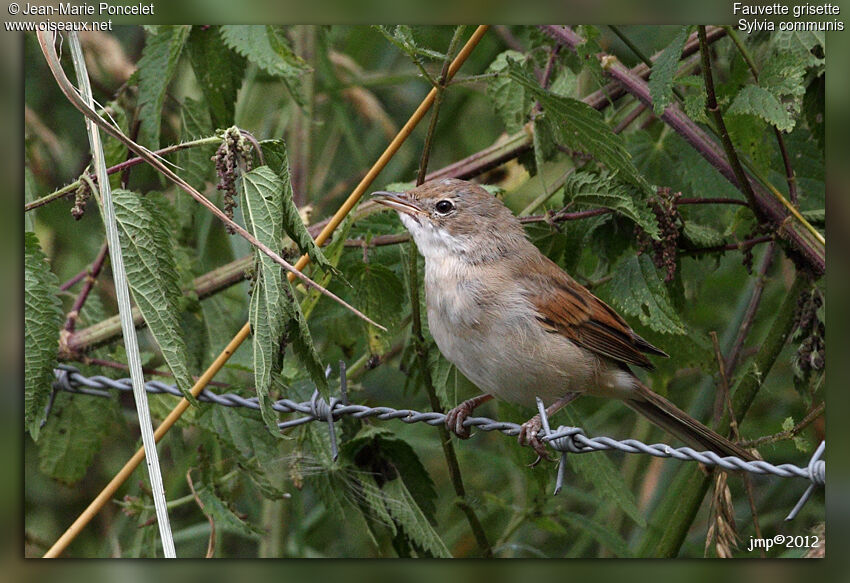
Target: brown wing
567, 308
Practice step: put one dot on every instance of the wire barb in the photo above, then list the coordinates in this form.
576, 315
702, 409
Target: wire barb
563, 440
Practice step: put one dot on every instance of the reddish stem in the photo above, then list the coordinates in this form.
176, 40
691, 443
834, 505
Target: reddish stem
91, 278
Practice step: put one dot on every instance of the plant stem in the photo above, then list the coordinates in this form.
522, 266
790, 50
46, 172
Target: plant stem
790, 178
421, 346
803, 242
790, 433
675, 515
714, 110
110, 329
734, 353
91, 278
68, 189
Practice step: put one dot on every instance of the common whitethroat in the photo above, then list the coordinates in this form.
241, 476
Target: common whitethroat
517, 325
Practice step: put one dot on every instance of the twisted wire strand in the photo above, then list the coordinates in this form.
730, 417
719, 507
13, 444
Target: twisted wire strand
564, 439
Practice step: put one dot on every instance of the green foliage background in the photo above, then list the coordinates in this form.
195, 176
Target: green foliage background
325, 101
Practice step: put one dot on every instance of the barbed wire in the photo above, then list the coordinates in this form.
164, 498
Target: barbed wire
565, 440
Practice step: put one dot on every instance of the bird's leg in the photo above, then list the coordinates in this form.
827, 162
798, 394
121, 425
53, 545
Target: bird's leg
528, 431
456, 417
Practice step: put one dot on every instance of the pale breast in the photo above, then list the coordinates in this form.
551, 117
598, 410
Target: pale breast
491, 334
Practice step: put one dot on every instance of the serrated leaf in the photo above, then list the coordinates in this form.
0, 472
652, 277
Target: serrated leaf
406, 511
274, 152
663, 71
156, 68
800, 44
607, 482
72, 435
42, 320
702, 235
605, 536
580, 127
404, 459
638, 291
588, 50
145, 232
273, 310
261, 193
243, 432
510, 100
266, 47
402, 37
223, 516
653, 155
695, 106
604, 189
219, 71
700, 178
755, 100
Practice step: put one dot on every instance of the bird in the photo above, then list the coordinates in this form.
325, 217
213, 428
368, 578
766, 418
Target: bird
517, 325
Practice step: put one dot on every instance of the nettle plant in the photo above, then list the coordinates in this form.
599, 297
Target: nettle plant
676, 171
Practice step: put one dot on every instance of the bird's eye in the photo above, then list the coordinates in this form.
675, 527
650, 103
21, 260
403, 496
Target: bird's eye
444, 207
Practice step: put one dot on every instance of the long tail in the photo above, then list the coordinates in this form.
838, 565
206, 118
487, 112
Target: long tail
670, 418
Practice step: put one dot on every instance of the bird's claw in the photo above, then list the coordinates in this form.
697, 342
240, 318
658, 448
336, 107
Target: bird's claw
455, 419
528, 436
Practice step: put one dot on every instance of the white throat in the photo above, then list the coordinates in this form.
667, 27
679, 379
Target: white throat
432, 241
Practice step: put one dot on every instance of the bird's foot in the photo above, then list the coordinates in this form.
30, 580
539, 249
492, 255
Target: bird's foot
456, 417
528, 432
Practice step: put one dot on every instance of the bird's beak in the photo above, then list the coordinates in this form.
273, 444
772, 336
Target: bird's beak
398, 201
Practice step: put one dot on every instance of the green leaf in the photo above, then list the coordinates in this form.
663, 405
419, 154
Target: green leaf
702, 235
380, 293
663, 71
638, 291
605, 189
261, 192
274, 152
145, 231
755, 100
800, 442
695, 106
403, 458
243, 432
114, 150
578, 126
800, 44
441, 369
219, 71
607, 482
224, 516
42, 320
196, 167
402, 37
72, 435
510, 99
266, 47
156, 68
813, 107
406, 511
605, 536
273, 310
